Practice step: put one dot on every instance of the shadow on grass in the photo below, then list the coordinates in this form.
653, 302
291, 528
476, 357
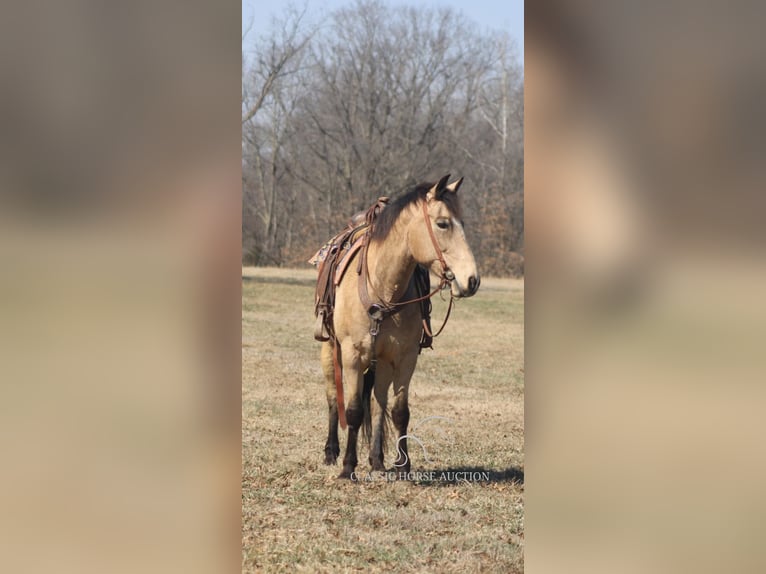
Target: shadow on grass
474, 474
310, 282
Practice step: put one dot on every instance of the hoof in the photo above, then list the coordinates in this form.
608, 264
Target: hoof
331, 455
400, 470
330, 458
346, 474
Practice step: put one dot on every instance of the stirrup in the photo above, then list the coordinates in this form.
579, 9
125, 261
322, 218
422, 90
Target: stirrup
320, 329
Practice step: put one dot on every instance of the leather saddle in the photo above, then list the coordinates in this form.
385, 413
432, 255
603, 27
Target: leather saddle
332, 260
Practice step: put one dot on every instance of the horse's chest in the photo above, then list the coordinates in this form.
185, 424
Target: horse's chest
397, 338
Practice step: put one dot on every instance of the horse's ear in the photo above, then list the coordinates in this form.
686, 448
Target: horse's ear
455, 185
438, 188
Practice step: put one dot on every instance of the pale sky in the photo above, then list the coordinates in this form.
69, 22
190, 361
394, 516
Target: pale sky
487, 14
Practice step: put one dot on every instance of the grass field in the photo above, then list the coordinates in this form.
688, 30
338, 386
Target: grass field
296, 516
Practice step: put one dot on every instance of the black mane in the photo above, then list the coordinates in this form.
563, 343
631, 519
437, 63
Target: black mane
387, 218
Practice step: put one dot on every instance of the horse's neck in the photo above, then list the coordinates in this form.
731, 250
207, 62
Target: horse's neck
391, 265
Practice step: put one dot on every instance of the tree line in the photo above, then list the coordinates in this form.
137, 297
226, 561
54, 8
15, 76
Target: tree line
374, 99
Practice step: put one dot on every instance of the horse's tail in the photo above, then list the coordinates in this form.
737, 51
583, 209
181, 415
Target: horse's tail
369, 383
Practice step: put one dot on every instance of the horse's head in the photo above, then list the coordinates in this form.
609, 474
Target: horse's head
444, 243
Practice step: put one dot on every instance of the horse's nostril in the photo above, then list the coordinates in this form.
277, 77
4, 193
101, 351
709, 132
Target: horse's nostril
473, 284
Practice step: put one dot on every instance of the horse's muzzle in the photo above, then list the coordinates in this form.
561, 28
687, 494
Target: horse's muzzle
473, 284
468, 290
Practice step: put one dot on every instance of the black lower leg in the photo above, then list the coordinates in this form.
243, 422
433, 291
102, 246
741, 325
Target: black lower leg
401, 418
354, 418
332, 446
376, 450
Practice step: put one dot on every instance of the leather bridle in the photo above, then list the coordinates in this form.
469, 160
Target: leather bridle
447, 274
389, 308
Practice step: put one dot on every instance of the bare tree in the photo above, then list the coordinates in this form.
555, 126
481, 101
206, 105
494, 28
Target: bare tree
276, 57
267, 88
378, 99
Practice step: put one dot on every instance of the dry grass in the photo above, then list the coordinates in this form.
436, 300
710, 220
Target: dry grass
297, 516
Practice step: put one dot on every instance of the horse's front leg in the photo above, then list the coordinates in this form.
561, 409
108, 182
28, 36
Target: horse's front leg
383, 377
400, 412
353, 382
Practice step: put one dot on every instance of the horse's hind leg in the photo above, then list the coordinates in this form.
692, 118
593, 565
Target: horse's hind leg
332, 446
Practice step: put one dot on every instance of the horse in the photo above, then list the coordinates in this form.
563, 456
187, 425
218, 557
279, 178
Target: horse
377, 320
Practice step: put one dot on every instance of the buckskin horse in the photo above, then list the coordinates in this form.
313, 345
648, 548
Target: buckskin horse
375, 324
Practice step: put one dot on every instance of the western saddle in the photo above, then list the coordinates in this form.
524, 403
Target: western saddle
333, 259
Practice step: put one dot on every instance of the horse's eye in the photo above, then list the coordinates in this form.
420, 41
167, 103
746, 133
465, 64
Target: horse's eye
442, 224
